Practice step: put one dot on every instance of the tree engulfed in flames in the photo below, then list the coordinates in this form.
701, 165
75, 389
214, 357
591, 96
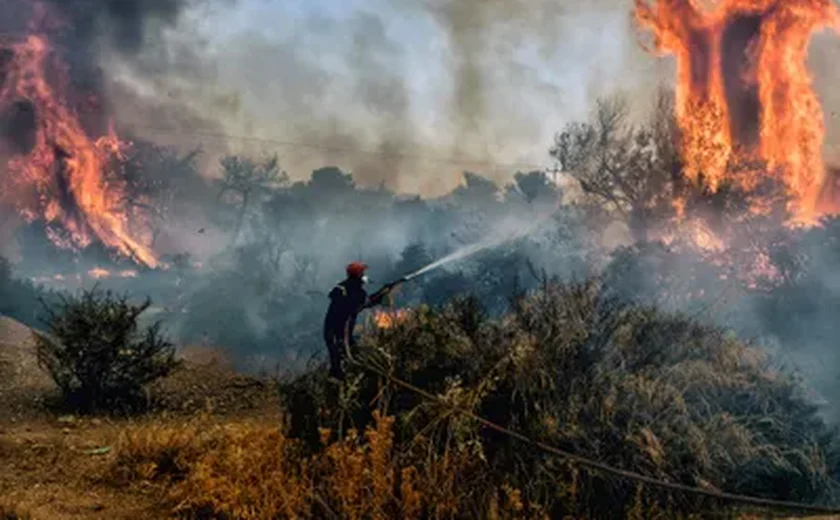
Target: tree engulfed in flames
744, 91
65, 178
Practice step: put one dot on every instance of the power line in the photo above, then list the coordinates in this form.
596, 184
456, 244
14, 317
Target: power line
319, 146
340, 149
606, 468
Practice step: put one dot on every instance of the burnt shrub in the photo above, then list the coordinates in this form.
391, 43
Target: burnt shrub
98, 355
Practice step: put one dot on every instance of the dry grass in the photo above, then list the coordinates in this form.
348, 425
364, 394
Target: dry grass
11, 513
53, 470
251, 470
59, 467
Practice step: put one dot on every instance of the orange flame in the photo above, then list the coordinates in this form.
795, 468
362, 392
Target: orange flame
65, 179
388, 319
98, 273
743, 89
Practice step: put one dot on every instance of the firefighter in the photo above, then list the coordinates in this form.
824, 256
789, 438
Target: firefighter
347, 300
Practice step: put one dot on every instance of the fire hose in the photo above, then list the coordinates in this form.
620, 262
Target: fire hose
386, 289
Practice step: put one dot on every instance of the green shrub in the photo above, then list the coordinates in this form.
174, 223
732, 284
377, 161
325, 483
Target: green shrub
96, 353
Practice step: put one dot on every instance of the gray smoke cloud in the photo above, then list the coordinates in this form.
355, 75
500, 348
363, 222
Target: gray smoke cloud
83, 31
388, 88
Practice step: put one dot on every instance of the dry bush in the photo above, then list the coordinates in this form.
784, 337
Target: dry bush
97, 354
629, 386
634, 388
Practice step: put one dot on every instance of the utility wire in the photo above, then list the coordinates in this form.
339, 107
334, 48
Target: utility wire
318, 146
606, 468
340, 149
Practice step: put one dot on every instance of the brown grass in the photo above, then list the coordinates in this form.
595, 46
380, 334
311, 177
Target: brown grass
53, 470
250, 469
10, 513
53, 467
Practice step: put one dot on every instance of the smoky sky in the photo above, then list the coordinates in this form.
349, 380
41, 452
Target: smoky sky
402, 93
81, 31
81, 27
407, 94
125, 23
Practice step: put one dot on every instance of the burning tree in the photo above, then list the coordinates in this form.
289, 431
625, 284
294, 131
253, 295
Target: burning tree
57, 163
744, 91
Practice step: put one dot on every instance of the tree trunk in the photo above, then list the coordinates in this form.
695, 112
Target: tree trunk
241, 218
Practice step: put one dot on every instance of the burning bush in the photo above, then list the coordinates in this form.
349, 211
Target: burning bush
95, 353
627, 385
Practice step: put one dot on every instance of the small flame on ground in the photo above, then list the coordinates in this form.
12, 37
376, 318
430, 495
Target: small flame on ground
389, 319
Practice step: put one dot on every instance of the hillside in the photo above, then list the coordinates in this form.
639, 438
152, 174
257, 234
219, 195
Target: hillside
22, 383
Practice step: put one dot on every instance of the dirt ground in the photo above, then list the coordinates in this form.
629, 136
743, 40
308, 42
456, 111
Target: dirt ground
54, 466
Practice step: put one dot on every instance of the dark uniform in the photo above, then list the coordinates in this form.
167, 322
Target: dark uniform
347, 300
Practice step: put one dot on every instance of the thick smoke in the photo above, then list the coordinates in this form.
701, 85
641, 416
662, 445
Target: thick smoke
81, 29
81, 32
388, 89
126, 24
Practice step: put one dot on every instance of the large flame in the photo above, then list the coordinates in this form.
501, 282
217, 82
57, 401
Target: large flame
65, 178
744, 91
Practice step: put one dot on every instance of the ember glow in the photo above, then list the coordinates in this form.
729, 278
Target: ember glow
744, 91
57, 172
98, 273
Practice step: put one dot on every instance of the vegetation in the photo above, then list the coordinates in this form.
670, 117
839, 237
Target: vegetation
572, 367
568, 365
95, 352
11, 514
280, 244
253, 470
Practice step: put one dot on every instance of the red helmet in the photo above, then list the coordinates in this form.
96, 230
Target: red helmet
356, 269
